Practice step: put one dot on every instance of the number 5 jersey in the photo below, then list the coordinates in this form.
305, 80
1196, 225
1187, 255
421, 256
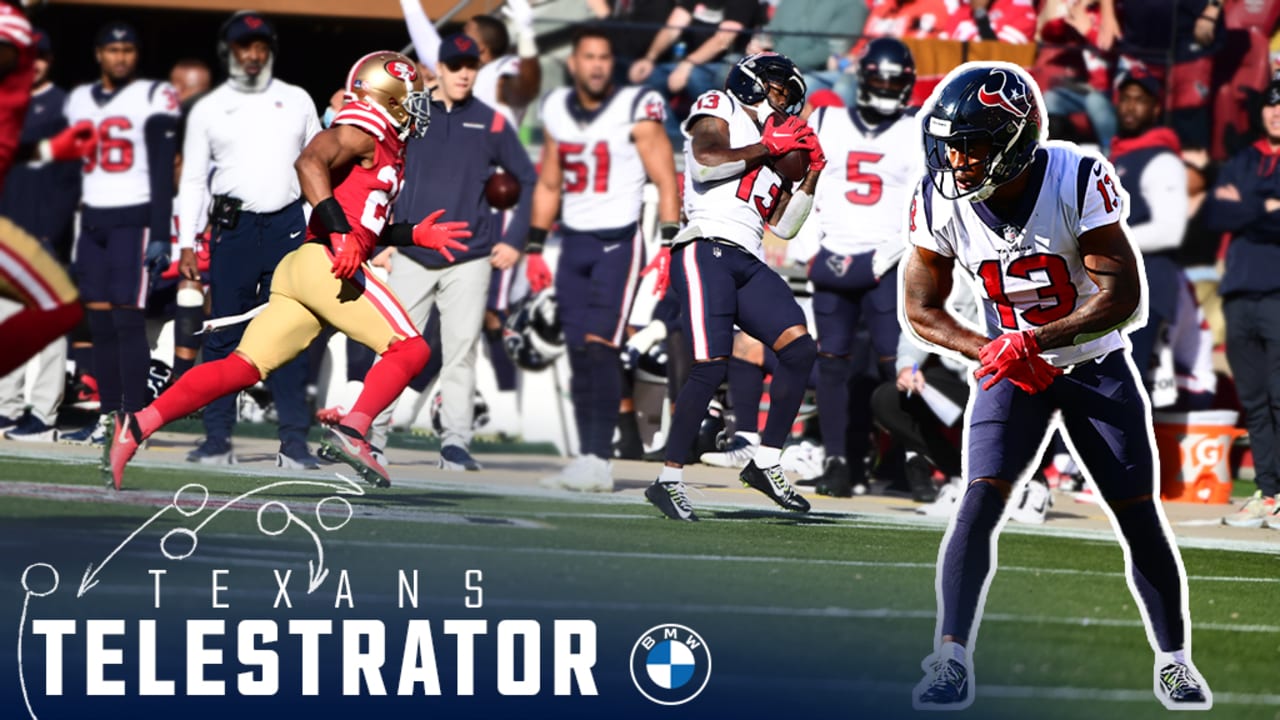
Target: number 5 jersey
1028, 268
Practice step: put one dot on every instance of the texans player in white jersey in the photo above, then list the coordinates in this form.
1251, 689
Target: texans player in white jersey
602, 143
717, 262
123, 237
858, 217
1040, 227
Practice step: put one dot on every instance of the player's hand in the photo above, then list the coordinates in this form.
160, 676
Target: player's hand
661, 264
383, 259
817, 158
347, 256
1014, 345
74, 143
536, 270
443, 236
781, 138
157, 257
503, 256
520, 13
188, 265
1015, 357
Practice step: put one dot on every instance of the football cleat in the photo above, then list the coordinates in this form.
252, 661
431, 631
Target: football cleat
122, 444
945, 685
736, 454
212, 452
30, 428
835, 480
671, 500
947, 502
1180, 687
330, 416
920, 479
1033, 503
456, 457
348, 447
95, 434
772, 482
586, 473
296, 457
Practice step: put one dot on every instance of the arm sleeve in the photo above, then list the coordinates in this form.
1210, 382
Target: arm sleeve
161, 133
192, 187
1164, 186
1098, 192
512, 158
922, 226
426, 41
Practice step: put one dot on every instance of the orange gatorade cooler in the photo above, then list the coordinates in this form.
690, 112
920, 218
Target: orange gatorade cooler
1194, 449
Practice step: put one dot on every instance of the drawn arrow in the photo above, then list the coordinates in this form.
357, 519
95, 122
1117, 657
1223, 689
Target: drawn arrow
91, 573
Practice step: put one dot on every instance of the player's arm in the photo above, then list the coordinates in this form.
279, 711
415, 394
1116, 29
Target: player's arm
659, 164
522, 88
713, 157
926, 285
1108, 258
793, 206
161, 136
336, 147
546, 204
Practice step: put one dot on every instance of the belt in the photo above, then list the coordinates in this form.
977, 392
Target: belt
717, 241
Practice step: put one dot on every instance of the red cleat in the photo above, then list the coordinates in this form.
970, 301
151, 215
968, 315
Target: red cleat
122, 444
330, 416
346, 445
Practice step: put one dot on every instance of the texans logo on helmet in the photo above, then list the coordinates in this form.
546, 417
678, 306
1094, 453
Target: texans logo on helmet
1005, 90
402, 70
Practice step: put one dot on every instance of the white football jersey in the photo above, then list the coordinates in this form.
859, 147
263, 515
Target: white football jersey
485, 87
118, 173
603, 176
1033, 275
861, 201
738, 208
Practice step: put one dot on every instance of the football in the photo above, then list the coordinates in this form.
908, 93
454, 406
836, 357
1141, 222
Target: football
792, 166
501, 191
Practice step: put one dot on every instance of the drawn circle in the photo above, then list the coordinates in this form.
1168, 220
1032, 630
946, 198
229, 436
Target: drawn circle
26, 580
670, 664
195, 488
346, 509
288, 517
179, 554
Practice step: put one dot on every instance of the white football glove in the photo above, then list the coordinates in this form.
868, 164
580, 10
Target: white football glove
652, 334
520, 13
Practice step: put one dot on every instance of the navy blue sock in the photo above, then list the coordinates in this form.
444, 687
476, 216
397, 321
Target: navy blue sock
135, 357
606, 394
580, 379
1154, 570
787, 389
695, 396
503, 369
967, 560
746, 385
106, 359
833, 403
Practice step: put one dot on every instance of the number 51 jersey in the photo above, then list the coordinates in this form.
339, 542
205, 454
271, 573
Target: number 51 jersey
1031, 274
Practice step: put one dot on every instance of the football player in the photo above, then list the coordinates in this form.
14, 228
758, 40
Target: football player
858, 214
602, 143
717, 262
126, 217
1039, 226
327, 281
28, 273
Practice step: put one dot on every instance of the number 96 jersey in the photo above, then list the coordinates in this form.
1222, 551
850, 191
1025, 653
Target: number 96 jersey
1030, 271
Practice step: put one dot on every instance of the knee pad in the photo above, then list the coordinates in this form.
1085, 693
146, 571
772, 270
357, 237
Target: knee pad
799, 354
413, 353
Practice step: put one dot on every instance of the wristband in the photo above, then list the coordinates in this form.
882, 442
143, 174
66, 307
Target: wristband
331, 216
535, 240
527, 43
667, 231
397, 235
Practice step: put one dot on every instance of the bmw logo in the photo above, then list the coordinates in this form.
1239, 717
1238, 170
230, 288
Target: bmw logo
670, 664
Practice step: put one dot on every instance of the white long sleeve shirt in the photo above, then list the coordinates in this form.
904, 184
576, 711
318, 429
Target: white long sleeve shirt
250, 141
1163, 185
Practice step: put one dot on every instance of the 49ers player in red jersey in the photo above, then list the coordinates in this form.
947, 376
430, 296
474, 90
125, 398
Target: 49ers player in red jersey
28, 274
350, 173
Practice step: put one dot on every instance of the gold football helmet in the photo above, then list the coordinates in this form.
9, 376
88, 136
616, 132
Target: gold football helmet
392, 82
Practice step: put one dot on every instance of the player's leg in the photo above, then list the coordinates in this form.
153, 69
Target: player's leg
703, 278
90, 262
188, 316
746, 386
495, 315
1164, 278
463, 291
128, 286
1106, 415
768, 311
1004, 432
31, 276
1252, 350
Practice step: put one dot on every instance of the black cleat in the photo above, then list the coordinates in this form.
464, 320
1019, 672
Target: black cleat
945, 686
1181, 688
671, 500
920, 480
772, 482
835, 480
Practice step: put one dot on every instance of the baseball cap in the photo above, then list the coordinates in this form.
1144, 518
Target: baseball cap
114, 32
1272, 96
245, 25
40, 38
458, 47
1142, 76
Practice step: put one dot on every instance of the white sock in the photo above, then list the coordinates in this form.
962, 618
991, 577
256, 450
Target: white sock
753, 438
1177, 656
671, 475
767, 457
954, 651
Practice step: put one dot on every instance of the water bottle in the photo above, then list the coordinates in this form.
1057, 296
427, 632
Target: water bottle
680, 50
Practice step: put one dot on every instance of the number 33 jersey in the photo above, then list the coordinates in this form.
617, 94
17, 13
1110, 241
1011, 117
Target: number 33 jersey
1033, 274
603, 174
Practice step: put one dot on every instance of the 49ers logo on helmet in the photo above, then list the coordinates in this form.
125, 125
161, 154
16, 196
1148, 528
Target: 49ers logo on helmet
403, 70
1005, 90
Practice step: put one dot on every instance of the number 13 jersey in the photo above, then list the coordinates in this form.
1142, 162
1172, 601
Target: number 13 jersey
1033, 274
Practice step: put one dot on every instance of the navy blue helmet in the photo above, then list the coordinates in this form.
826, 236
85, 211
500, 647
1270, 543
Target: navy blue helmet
989, 114
750, 79
532, 335
886, 75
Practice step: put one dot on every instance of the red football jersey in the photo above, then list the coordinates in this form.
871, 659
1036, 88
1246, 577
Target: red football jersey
366, 194
15, 88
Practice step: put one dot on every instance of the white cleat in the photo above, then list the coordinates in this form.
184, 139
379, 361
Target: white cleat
1033, 503
586, 473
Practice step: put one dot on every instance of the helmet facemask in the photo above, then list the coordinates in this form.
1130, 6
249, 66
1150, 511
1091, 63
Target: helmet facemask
995, 158
884, 93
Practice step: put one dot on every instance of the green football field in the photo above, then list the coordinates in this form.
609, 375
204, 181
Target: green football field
847, 599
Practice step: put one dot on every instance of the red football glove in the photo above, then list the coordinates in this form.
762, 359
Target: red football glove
1016, 357
347, 255
74, 143
661, 263
440, 236
781, 138
536, 270
817, 158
